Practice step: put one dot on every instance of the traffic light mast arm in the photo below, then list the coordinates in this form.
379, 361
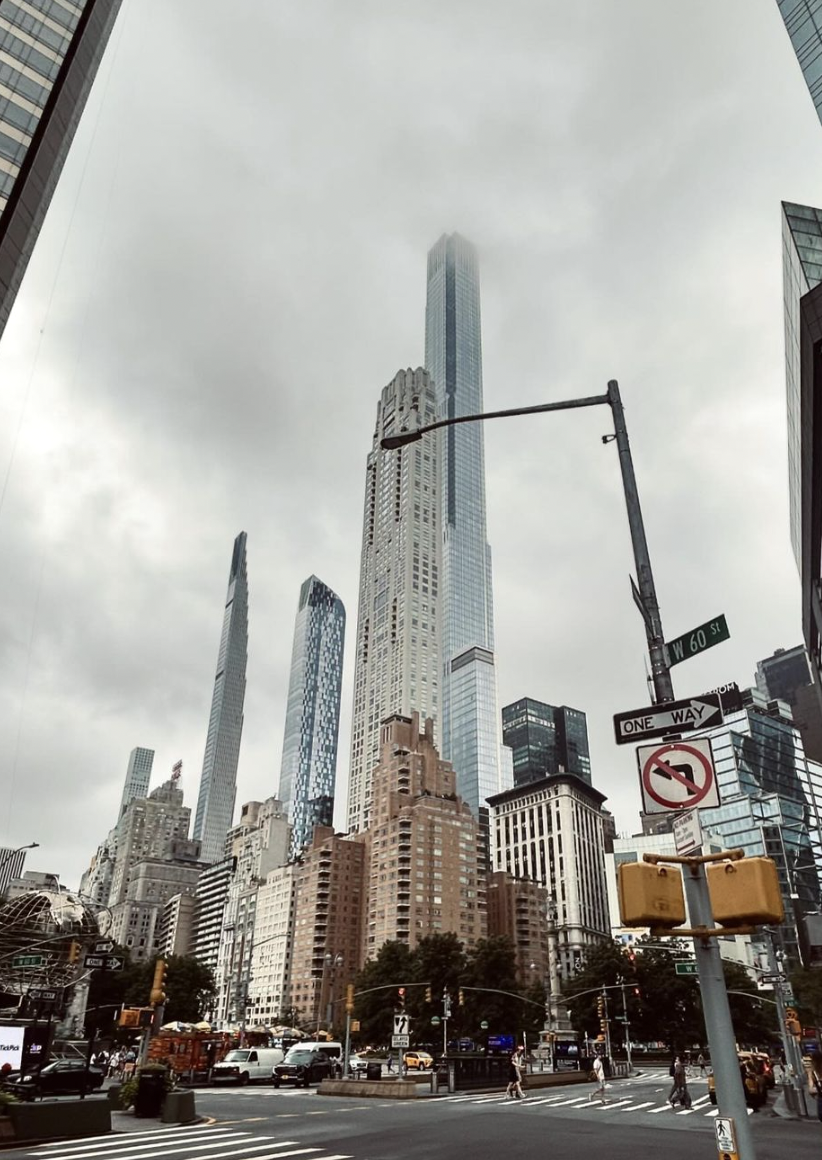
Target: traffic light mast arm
388, 987
496, 991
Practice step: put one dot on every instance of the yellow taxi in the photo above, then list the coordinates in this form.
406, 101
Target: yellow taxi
418, 1061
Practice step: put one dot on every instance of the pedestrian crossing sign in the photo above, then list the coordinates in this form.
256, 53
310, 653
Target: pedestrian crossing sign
725, 1138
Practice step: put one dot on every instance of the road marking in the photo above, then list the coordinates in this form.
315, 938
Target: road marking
133, 1150
613, 1105
110, 1141
662, 1108
637, 1107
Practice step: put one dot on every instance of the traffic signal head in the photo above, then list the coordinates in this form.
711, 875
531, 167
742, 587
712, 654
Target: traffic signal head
461, 997
74, 951
638, 992
158, 993
745, 892
650, 895
792, 1022
600, 1005
401, 995
428, 994
129, 1017
349, 998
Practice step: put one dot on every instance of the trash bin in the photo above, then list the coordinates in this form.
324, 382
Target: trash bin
373, 1071
151, 1092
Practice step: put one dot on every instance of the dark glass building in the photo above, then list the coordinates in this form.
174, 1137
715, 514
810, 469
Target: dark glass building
50, 51
803, 20
546, 739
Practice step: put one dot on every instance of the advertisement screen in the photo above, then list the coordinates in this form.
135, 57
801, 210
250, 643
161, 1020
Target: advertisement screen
11, 1046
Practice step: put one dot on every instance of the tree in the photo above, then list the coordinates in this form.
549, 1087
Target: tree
492, 967
189, 989
754, 1020
807, 987
375, 1010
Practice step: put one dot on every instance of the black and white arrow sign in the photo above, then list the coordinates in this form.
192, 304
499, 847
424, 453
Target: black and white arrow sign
676, 717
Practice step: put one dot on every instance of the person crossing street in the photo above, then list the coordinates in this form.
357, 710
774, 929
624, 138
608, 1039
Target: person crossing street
514, 1089
599, 1076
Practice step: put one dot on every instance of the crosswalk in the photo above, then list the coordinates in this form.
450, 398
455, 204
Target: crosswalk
199, 1142
701, 1106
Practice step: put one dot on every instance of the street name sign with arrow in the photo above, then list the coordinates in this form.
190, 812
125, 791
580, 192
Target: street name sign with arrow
677, 776
103, 948
674, 717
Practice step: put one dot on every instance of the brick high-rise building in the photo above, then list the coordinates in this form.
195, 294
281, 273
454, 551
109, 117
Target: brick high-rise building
328, 908
425, 851
518, 909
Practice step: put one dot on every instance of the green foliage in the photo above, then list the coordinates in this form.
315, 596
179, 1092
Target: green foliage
807, 987
189, 987
6, 1098
128, 1091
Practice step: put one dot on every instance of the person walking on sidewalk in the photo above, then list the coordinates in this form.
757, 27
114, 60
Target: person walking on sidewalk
514, 1089
599, 1076
679, 1090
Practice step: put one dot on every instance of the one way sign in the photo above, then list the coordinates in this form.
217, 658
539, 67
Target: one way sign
400, 1024
675, 717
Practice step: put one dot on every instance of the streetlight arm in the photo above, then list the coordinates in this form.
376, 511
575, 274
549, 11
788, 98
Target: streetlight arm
392, 442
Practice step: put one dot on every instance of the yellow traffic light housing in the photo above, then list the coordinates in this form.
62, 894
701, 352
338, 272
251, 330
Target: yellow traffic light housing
158, 994
74, 951
650, 895
129, 1017
745, 892
349, 998
461, 997
428, 994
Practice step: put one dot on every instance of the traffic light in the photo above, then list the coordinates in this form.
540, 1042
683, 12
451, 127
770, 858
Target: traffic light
349, 998
650, 895
74, 951
600, 1005
637, 992
401, 998
428, 994
461, 997
129, 1017
746, 892
158, 993
792, 1022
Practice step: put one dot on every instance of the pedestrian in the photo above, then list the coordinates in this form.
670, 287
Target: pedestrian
679, 1090
700, 1062
390, 1064
599, 1077
514, 1089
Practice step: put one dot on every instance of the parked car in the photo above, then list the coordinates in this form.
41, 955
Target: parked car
358, 1063
246, 1064
58, 1078
418, 1061
302, 1068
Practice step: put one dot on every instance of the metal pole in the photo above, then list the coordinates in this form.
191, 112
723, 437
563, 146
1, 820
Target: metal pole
627, 1026
792, 1053
347, 1051
607, 1027
721, 1039
657, 652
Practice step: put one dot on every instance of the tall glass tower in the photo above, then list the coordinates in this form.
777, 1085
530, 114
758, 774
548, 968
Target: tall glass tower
397, 664
218, 784
803, 20
469, 723
312, 719
50, 51
545, 740
138, 776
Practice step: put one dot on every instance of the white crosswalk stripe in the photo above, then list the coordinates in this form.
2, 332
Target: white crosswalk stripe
700, 1107
199, 1142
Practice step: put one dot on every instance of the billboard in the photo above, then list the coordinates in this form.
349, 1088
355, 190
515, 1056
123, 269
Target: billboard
11, 1046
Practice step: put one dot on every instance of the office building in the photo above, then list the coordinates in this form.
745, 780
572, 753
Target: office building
155, 827
176, 926
396, 668
329, 886
269, 985
802, 274
426, 854
551, 831
468, 721
803, 21
518, 910
50, 51
211, 897
546, 739
137, 919
786, 676
258, 844
11, 865
138, 777
218, 784
312, 720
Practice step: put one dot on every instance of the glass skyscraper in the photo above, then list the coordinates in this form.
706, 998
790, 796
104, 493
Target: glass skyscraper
397, 664
218, 784
312, 720
50, 51
545, 740
469, 721
803, 20
138, 776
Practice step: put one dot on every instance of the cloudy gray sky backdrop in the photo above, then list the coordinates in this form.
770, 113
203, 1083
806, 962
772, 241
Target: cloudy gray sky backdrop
233, 267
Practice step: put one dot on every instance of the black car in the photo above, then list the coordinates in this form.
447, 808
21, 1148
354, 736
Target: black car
303, 1067
63, 1076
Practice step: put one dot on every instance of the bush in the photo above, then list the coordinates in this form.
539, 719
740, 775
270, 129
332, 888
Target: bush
7, 1098
128, 1091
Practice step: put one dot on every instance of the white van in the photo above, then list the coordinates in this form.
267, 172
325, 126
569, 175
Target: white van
331, 1047
246, 1064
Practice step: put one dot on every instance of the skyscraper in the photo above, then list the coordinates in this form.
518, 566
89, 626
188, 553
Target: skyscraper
396, 668
312, 720
50, 51
138, 776
218, 784
803, 20
546, 739
468, 721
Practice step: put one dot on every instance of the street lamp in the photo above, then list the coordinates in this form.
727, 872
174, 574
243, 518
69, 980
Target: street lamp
645, 591
13, 853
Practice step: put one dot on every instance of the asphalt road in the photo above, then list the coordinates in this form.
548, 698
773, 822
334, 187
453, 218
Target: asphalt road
258, 1123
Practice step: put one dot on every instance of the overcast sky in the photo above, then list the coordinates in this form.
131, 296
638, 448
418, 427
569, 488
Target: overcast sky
232, 268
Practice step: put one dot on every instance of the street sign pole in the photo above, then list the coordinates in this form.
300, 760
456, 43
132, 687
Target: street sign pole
792, 1052
721, 1039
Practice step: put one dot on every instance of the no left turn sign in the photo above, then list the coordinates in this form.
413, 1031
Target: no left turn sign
677, 776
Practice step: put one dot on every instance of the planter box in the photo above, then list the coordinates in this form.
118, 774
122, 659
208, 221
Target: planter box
397, 1089
179, 1108
46, 1121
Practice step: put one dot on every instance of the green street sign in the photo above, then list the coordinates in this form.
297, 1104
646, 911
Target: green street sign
687, 969
692, 643
27, 961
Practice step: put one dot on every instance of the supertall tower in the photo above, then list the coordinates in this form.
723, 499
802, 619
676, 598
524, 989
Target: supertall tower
397, 661
218, 784
469, 720
51, 50
312, 719
138, 776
